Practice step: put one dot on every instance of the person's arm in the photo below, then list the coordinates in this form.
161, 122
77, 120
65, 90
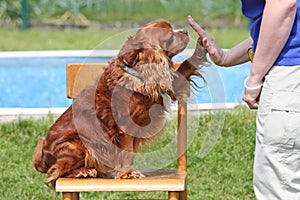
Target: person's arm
234, 56
238, 54
277, 22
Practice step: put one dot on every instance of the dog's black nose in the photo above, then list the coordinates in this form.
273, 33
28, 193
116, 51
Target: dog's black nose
185, 31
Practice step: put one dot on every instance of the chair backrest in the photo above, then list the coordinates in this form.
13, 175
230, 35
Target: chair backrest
81, 74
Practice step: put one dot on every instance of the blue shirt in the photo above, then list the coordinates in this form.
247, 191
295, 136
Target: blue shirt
290, 54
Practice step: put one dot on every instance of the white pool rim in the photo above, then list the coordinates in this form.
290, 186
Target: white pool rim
16, 114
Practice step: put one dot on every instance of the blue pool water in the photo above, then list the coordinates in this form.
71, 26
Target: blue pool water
40, 82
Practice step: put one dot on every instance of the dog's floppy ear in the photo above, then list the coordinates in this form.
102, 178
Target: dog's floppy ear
134, 55
129, 57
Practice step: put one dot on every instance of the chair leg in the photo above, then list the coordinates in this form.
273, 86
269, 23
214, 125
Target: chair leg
70, 195
183, 195
173, 195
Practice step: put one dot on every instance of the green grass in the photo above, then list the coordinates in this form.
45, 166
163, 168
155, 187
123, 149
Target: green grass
227, 38
17, 40
224, 173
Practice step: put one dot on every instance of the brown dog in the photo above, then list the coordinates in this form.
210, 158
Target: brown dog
105, 124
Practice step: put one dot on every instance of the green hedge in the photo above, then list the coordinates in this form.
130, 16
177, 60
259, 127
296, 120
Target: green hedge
123, 10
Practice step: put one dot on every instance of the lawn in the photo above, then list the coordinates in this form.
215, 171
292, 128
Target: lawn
224, 173
69, 39
17, 40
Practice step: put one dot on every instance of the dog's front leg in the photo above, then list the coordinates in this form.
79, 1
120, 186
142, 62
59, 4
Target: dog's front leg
125, 168
188, 68
191, 65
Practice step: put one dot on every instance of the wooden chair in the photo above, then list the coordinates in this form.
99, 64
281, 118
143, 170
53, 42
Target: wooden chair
172, 181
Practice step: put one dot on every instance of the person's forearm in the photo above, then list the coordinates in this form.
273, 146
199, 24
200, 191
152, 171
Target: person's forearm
277, 22
234, 56
238, 54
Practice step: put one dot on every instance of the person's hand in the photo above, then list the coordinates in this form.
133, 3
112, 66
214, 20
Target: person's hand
251, 97
251, 94
215, 52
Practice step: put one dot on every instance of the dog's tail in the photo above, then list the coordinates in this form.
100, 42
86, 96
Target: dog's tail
38, 160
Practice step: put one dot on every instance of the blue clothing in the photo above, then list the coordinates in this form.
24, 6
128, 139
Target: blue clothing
290, 55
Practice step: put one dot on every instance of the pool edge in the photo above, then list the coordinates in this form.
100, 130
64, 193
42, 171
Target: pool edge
17, 114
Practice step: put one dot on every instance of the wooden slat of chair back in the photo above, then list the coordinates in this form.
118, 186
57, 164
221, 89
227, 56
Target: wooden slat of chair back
81, 74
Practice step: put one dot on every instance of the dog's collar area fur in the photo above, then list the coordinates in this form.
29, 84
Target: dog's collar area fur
149, 79
131, 71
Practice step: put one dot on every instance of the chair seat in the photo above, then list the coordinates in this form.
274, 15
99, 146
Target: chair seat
155, 180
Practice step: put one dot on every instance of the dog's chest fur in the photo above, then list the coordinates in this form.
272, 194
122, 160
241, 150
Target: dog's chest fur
131, 104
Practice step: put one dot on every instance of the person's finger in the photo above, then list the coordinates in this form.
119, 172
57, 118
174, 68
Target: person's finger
251, 102
253, 105
196, 27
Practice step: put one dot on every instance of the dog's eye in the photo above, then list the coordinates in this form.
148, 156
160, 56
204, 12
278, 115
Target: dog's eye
172, 37
170, 40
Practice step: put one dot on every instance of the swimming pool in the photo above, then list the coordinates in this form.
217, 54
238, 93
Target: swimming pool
37, 79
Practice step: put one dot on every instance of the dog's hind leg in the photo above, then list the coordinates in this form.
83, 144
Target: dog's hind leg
62, 168
38, 159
